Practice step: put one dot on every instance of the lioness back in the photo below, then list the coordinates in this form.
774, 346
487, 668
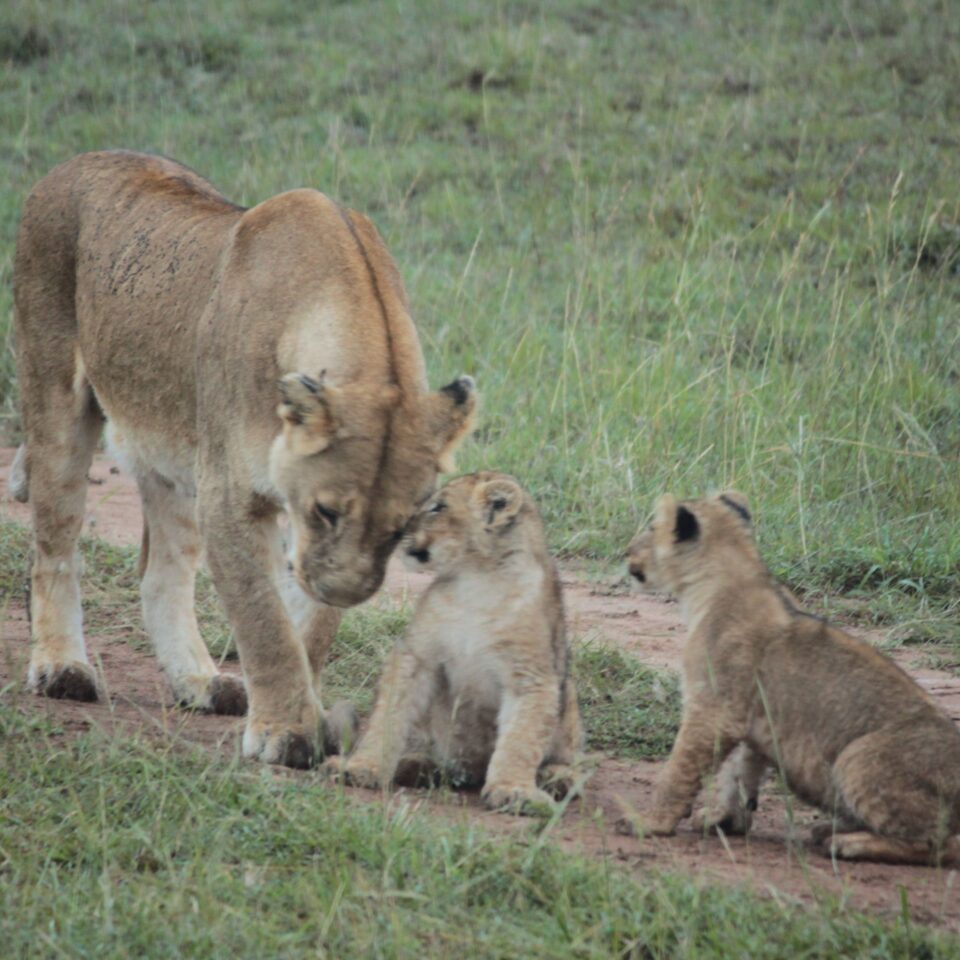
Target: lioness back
480, 684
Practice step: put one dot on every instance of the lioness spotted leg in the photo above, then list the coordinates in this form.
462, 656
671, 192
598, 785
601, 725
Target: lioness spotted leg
284, 719
167, 592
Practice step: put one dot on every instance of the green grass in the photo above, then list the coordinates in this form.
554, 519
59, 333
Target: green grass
142, 847
681, 246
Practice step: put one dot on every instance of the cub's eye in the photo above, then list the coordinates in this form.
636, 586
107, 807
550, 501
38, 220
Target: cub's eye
438, 507
396, 536
324, 516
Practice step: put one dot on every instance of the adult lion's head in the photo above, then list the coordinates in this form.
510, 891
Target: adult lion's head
353, 462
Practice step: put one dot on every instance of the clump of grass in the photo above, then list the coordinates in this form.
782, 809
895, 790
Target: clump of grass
628, 709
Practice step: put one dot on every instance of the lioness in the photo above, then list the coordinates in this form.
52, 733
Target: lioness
248, 363
479, 688
848, 730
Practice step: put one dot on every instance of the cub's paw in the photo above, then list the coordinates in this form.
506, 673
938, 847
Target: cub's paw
353, 771
222, 693
631, 825
734, 823
340, 727
289, 748
70, 680
524, 801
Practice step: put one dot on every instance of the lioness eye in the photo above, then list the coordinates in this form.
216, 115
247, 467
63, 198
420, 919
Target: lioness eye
325, 515
437, 507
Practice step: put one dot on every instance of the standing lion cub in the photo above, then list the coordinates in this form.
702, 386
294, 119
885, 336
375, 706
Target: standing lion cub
849, 731
479, 689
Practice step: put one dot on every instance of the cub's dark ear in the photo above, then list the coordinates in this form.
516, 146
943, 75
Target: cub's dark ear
498, 501
688, 527
737, 502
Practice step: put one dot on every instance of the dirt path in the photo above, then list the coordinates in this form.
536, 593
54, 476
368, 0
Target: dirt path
773, 859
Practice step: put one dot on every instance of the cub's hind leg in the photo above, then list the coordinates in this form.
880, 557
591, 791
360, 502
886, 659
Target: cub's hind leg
902, 784
558, 775
735, 791
171, 554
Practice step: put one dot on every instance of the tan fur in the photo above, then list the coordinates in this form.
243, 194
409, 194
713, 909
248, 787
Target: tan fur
848, 730
144, 298
479, 688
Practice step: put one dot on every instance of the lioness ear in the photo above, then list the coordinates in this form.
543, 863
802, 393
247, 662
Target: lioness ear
737, 502
308, 411
450, 412
499, 501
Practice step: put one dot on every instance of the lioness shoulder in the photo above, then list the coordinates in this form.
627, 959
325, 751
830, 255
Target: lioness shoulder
479, 689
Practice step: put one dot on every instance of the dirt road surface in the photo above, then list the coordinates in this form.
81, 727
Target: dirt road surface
775, 859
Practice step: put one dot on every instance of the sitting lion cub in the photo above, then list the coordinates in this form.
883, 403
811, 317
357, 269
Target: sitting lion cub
479, 688
849, 731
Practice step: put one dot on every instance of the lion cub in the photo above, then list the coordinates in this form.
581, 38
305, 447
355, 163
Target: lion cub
849, 731
479, 689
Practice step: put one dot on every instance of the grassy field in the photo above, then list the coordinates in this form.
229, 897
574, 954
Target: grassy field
681, 245
148, 846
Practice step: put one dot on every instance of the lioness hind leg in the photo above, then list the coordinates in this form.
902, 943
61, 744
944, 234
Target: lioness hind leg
172, 549
62, 431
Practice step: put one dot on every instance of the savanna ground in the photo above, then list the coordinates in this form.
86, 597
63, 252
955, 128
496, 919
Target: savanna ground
681, 246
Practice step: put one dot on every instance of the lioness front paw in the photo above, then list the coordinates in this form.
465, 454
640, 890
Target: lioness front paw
525, 801
69, 680
353, 771
222, 694
289, 748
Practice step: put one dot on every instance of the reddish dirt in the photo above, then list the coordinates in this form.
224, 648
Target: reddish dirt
774, 859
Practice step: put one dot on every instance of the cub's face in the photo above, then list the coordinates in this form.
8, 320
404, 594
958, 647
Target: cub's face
352, 464
682, 538
462, 523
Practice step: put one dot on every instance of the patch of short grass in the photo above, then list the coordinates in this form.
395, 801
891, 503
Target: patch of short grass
119, 848
629, 709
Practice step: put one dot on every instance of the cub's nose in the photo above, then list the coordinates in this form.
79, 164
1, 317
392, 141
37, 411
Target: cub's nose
422, 555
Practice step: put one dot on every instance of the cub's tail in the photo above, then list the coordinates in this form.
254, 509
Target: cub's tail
19, 481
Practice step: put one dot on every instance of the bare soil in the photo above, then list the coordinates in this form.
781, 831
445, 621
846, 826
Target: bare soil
775, 859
